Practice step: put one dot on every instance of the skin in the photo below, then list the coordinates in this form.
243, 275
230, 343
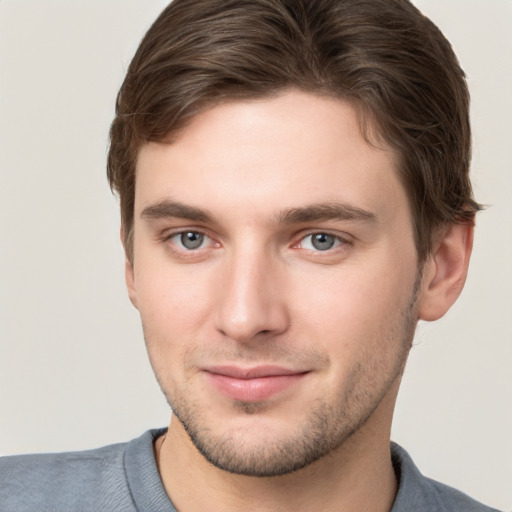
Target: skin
255, 182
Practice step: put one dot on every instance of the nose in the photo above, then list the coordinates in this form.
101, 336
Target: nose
252, 301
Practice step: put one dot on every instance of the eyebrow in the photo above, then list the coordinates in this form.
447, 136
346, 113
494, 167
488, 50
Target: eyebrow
323, 212
311, 213
169, 209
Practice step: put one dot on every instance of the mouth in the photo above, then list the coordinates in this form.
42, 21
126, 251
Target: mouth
253, 384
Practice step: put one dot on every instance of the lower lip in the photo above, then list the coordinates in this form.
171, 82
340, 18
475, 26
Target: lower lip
256, 389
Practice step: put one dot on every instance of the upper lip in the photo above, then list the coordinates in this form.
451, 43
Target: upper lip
254, 372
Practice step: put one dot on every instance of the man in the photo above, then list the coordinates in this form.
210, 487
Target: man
293, 178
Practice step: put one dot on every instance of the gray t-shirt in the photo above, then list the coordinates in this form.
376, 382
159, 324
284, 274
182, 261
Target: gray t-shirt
124, 478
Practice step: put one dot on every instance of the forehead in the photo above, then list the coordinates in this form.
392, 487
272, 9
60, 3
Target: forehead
256, 155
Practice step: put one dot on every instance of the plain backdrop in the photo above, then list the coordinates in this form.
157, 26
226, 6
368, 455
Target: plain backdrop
73, 368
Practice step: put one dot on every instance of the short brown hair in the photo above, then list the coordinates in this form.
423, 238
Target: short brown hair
386, 58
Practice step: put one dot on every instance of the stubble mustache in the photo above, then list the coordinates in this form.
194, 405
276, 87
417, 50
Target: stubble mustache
267, 352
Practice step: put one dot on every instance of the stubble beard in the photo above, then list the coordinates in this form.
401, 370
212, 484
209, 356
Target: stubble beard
329, 424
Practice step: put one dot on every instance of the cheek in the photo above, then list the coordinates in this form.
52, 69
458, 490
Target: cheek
171, 317
171, 295
173, 308
352, 309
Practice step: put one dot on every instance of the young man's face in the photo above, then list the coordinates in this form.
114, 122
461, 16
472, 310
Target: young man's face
276, 276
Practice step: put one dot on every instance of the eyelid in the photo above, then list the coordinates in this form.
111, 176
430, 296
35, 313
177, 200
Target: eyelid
169, 234
344, 240
344, 237
178, 230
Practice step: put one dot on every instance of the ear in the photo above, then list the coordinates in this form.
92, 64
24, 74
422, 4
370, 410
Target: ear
129, 273
445, 271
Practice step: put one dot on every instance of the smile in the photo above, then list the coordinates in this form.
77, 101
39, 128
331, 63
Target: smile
252, 384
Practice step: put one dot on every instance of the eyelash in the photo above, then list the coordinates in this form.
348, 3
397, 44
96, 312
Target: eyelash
339, 242
169, 237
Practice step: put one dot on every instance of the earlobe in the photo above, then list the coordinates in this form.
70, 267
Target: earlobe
446, 270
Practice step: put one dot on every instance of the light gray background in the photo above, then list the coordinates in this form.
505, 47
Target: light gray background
73, 368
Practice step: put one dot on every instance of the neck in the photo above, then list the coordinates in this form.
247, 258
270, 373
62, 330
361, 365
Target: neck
358, 476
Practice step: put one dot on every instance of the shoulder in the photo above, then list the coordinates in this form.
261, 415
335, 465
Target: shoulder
419, 493
454, 499
85, 480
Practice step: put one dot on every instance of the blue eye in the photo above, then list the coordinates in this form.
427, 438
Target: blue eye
320, 242
190, 239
